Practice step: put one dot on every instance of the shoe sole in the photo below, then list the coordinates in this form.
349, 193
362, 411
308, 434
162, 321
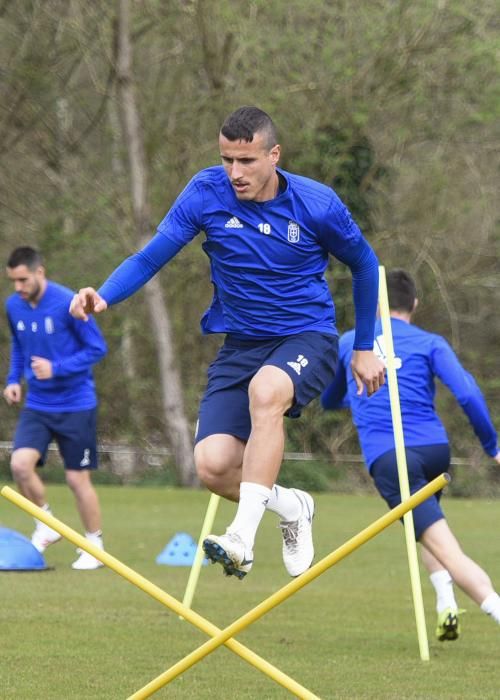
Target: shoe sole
450, 630
218, 555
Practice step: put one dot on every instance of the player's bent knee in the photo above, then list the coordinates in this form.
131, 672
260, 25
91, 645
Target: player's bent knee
211, 469
21, 468
266, 401
78, 479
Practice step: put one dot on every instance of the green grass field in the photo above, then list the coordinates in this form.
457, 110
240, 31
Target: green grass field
350, 634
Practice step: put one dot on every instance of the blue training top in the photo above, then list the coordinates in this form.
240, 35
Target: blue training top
420, 357
73, 346
267, 259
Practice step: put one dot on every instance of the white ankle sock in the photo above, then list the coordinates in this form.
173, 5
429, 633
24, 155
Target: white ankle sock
46, 509
491, 606
95, 538
443, 585
253, 501
284, 503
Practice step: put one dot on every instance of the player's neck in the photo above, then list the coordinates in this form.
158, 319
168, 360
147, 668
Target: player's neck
401, 315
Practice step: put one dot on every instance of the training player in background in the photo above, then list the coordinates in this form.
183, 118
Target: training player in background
54, 353
420, 357
268, 237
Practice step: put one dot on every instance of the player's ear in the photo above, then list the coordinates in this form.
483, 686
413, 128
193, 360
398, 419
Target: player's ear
415, 304
275, 153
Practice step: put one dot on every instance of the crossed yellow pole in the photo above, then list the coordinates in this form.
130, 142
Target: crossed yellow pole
155, 592
220, 637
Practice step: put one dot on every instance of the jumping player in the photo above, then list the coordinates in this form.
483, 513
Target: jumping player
268, 237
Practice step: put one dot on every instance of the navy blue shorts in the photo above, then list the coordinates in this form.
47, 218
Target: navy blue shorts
424, 464
75, 434
309, 359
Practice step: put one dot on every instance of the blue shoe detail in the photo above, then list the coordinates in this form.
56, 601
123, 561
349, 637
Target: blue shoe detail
217, 554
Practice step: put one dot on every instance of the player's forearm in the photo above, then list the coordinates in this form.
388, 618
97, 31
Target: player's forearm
79, 362
363, 263
138, 269
16, 368
468, 394
476, 410
335, 396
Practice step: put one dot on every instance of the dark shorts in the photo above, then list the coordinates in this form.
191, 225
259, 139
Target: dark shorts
74, 433
308, 358
424, 464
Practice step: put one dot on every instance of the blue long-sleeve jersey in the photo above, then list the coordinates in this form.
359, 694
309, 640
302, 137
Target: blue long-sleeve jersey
420, 357
267, 259
72, 346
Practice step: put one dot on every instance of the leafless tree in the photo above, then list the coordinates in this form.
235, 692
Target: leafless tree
172, 395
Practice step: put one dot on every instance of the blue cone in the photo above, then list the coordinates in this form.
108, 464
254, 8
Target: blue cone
18, 554
180, 551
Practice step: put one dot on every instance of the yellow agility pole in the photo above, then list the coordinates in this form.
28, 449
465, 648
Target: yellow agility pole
404, 487
354, 543
206, 529
155, 592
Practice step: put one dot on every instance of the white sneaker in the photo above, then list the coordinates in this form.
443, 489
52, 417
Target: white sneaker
43, 536
86, 562
298, 546
229, 550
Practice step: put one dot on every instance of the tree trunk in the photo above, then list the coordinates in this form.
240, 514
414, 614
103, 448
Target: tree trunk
172, 397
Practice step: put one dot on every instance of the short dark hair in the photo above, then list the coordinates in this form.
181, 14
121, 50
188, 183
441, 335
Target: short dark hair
401, 291
25, 255
245, 122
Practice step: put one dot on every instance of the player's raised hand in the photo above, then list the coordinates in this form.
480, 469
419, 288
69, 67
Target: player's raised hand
87, 301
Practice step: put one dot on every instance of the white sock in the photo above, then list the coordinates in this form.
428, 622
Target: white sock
443, 585
45, 508
285, 503
491, 606
95, 538
253, 501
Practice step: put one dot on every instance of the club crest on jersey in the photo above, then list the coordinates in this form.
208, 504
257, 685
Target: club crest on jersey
380, 351
293, 232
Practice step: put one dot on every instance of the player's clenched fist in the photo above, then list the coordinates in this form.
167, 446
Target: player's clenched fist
87, 301
12, 393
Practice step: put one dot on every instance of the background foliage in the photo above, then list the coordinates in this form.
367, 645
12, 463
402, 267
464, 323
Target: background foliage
395, 104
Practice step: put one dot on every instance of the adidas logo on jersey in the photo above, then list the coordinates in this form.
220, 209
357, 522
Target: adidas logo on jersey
233, 222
